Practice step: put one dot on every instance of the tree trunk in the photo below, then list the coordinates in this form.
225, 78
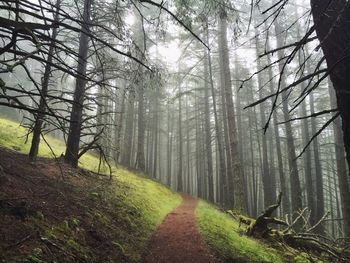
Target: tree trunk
307, 165
72, 150
140, 157
269, 184
188, 151
200, 184
207, 129
129, 130
170, 132
253, 203
140, 154
241, 141
332, 23
34, 148
285, 208
318, 169
236, 179
156, 130
218, 129
180, 142
307, 155
341, 164
292, 162
119, 123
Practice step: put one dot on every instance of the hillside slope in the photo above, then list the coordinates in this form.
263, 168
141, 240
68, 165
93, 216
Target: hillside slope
52, 213
83, 218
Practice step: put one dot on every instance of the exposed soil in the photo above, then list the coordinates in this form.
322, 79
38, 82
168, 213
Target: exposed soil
54, 213
178, 239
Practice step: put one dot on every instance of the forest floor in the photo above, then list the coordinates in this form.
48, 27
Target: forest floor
51, 213
54, 213
178, 239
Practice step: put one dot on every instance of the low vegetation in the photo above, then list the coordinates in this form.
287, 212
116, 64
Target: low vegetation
88, 218
224, 236
84, 218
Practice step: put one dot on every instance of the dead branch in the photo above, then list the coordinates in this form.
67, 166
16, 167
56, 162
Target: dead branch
313, 243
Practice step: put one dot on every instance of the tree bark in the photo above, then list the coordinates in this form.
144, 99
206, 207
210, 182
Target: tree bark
170, 127
72, 150
207, 129
156, 131
296, 195
269, 184
188, 150
118, 118
319, 204
332, 23
34, 148
218, 130
129, 131
140, 154
341, 164
180, 142
285, 207
236, 179
310, 195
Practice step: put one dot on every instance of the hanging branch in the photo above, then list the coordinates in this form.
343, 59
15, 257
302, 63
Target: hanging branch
295, 44
301, 80
310, 116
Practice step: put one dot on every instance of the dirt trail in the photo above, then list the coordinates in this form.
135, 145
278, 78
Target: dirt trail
177, 238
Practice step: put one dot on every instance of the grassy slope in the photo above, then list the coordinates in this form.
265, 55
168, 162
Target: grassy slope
136, 206
222, 234
127, 210
13, 136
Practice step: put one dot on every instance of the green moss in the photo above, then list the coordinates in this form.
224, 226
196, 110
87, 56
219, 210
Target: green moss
75, 247
119, 246
125, 212
39, 215
35, 256
33, 259
222, 235
74, 222
301, 259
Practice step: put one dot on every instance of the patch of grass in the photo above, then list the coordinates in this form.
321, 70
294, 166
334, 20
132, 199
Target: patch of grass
13, 136
222, 235
153, 200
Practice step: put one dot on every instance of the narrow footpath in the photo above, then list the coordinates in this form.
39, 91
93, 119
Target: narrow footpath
177, 240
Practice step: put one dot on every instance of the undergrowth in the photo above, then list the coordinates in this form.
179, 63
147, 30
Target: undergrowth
109, 220
223, 235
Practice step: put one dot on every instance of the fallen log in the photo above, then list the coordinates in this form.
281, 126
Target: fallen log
304, 239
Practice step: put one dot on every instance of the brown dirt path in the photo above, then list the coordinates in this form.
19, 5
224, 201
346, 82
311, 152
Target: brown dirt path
177, 239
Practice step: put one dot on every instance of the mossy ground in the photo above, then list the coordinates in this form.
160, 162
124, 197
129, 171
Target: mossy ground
224, 236
89, 218
13, 136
